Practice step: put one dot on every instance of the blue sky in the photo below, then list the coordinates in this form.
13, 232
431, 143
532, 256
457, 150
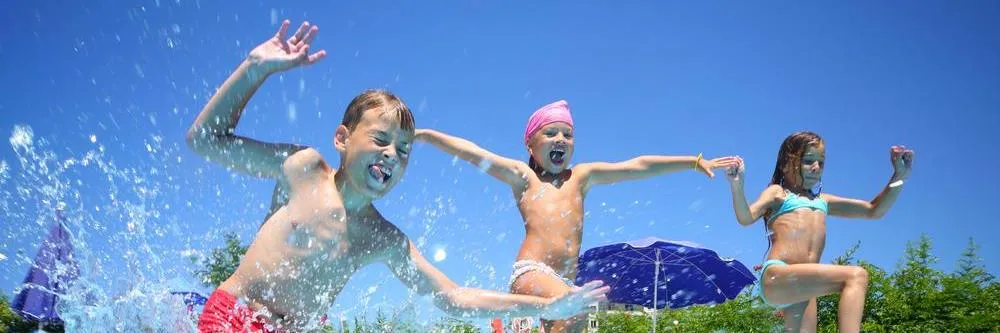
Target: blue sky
649, 78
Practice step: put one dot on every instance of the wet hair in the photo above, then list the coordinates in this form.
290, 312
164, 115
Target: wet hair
790, 158
390, 106
790, 155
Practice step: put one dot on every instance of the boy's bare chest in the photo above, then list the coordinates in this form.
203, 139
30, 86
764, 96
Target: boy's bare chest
320, 229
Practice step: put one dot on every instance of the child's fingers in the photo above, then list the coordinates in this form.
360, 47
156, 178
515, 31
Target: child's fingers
282, 30
311, 34
592, 285
599, 293
317, 56
299, 33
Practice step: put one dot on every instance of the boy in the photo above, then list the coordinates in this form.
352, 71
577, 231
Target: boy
322, 226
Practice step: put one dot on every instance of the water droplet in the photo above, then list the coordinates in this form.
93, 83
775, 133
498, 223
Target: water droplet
291, 112
93, 138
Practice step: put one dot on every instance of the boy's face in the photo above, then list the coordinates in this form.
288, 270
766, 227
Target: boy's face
552, 146
375, 153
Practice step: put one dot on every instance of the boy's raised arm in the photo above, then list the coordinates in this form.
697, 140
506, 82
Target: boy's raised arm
212, 133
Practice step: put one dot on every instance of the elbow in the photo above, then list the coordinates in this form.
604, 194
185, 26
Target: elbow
451, 302
873, 211
199, 139
642, 163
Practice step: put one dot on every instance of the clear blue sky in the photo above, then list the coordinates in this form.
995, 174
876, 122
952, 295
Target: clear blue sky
647, 78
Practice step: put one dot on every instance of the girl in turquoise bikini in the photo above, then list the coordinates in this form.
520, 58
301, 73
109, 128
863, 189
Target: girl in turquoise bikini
795, 217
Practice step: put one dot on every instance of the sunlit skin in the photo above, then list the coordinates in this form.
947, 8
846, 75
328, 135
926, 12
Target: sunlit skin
322, 226
551, 196
799, 237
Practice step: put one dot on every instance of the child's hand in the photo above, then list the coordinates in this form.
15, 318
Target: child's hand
278, 54
706, 166
735, 173
902, 161
576, 301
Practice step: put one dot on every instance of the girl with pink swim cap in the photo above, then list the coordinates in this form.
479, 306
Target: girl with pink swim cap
550, 196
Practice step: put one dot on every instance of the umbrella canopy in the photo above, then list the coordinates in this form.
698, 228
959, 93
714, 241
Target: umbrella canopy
191, 298
656, 273
50, 274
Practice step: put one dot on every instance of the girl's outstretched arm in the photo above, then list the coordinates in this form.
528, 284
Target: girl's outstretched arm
649, 166
510, 171
902, 162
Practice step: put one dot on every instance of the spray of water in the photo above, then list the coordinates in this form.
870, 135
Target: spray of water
114, 208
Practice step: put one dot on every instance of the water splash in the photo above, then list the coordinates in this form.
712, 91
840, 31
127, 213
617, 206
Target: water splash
105, 206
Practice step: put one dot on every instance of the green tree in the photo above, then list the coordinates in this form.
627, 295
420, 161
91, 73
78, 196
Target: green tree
911, 302
963, 300
13, 323
878, 285
10, 321
745, 313
624, 322
223, 261
452, 325
971, 268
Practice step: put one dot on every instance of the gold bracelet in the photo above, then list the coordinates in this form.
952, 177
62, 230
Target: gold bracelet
696, 161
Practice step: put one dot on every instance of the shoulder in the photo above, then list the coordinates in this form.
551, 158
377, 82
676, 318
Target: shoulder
584, 169
774, 193
829, 197
304, 162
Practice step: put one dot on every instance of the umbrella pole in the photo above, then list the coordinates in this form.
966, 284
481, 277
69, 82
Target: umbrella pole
656, 286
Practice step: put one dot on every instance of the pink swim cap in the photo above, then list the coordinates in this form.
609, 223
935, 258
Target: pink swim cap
554, 112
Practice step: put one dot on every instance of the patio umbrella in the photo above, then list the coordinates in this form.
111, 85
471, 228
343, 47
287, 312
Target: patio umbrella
658, 273
191, 298
51, 272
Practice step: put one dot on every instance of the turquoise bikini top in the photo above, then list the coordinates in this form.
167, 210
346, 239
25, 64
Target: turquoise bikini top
794, 201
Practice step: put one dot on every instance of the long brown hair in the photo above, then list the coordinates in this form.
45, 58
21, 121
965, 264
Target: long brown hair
790, 160
790, 156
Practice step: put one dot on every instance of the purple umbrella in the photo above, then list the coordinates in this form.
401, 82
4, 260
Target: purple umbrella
49, 275
191, 298
681, 273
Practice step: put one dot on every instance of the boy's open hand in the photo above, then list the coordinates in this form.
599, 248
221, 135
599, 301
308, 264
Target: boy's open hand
278, 54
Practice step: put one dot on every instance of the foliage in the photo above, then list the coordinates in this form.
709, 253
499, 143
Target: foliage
915, 297
223, 261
